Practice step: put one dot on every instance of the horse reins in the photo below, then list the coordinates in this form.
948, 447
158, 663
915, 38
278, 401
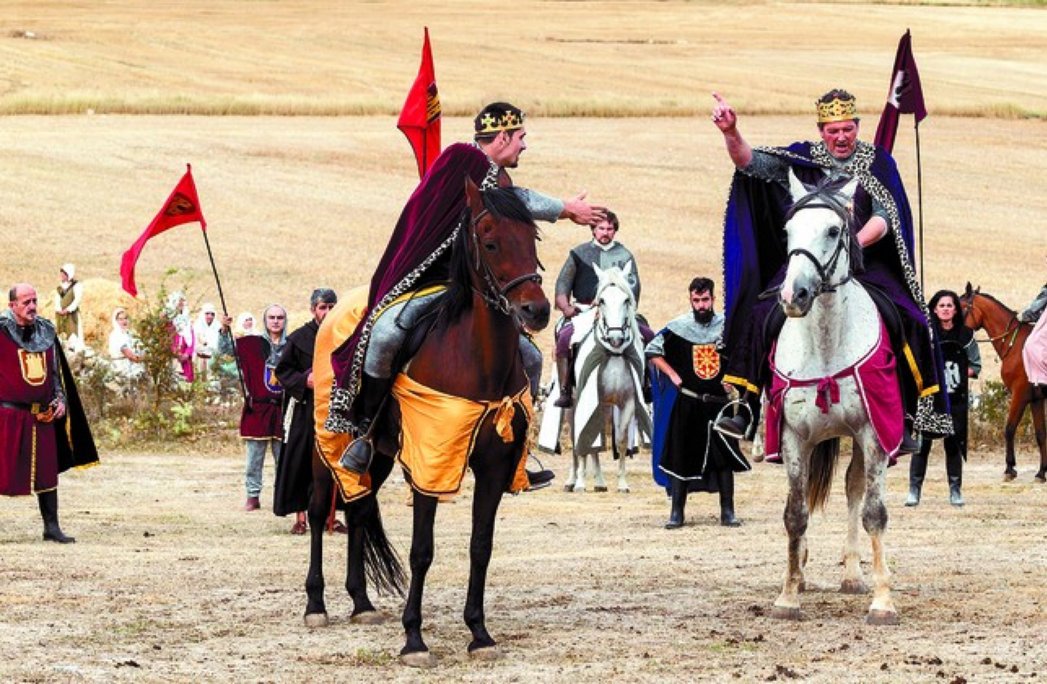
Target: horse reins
495, 293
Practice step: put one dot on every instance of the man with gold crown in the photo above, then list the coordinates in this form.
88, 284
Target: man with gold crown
417, 256
755, 256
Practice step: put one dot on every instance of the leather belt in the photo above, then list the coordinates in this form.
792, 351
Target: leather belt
33, 408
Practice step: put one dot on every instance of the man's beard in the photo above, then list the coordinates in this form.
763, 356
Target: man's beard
703, 317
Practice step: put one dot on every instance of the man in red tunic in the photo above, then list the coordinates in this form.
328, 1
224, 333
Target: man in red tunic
43, 431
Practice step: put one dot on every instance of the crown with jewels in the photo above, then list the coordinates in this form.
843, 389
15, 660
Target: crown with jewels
492, 123
837, 109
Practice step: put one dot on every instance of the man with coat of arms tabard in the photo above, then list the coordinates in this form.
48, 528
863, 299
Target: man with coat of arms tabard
689, 394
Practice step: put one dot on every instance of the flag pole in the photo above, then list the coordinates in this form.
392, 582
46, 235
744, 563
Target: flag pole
919, 198
225, 314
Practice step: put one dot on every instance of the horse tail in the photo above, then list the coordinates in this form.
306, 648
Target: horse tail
381, 562
820, 477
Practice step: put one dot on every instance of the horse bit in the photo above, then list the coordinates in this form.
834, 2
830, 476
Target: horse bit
495, 294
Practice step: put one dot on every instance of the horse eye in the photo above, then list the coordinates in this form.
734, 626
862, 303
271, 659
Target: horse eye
490, 247
834, 231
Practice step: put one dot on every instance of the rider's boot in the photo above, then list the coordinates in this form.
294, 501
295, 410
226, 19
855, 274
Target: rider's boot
563, 373
373, 391
678, 499
910, 444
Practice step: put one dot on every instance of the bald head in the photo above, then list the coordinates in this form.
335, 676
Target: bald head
22, 301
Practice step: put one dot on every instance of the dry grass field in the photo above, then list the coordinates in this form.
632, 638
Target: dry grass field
302, 173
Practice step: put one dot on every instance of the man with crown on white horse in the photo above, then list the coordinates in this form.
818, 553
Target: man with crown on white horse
576, 290
417, 256
755, 254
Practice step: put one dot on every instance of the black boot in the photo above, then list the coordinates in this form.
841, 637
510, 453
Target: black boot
955, 495
917, 471
538, 479
678, 498
49, 512
727, 517
735, 426
373, 392
909, 445
566, 381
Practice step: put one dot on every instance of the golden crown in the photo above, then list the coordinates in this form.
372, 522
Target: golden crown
837, 109
490, 123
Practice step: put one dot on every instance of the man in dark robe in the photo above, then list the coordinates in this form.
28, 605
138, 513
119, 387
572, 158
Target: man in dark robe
418, 254
755, 256
43, 429
689, 395
294, 370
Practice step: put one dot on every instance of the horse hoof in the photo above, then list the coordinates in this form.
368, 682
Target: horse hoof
853, 586
1010, 475
599, 489
421, 659
785, 613
568, 487
623, 490
1041, 478
881, 617
368, 617
486, 653
313, 620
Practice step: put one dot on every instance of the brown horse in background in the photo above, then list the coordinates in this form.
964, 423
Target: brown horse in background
1008, 335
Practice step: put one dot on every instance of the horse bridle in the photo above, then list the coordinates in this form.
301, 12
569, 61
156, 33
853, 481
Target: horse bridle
495, 294
1008, 330
842, 240
605, 330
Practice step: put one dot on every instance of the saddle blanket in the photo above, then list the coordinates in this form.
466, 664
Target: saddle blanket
439, 433
876, 381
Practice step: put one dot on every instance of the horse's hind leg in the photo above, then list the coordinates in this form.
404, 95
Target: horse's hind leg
874, 518
415, 653
621, 437
1014, 417
1041, 437
319, 503
853, 583
787, 605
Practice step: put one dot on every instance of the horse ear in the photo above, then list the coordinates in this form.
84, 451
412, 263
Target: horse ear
627, 269
472, 196
796, 187
598, 270
848, 190
967, 289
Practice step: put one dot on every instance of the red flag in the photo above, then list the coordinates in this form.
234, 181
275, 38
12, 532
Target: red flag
183, 206
904, 97
420, 116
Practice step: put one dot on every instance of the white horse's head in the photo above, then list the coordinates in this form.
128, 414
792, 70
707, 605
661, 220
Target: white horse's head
615, 308
819, 230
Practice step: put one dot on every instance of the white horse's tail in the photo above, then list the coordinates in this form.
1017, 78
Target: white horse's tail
820, 475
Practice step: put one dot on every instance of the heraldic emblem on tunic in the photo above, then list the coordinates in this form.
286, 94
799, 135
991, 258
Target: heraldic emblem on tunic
34, 367
705, 360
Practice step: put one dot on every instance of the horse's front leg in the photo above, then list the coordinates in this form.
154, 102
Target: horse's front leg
492, 480
415, 653
795, 456
621, 436
599, 484
874, 518
853, 582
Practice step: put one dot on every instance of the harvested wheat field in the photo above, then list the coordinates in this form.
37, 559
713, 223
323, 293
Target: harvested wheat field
287, 112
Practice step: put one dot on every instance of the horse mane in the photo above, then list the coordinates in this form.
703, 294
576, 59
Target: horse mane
997, 301
503, 204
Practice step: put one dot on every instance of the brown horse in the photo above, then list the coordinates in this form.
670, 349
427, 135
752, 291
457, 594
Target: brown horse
1008, 335
469, 350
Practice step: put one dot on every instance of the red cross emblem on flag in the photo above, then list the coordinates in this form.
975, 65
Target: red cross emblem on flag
706, 361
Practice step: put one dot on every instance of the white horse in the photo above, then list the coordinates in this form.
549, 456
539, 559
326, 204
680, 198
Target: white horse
832, 328
608, 371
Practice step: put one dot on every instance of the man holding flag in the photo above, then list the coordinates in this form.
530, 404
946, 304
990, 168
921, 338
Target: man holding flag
754, 255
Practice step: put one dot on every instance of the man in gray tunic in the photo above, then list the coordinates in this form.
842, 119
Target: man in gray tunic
576, 290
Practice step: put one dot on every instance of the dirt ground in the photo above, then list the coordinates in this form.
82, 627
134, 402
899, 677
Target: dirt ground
171, 581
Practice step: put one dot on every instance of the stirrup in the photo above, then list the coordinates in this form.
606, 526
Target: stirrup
736, 426
357, 456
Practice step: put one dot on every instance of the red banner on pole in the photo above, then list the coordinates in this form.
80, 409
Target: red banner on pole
904, 97
420, 116
183, 206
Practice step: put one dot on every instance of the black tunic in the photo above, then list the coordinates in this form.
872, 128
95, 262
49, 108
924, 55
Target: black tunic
294, 473
693, 452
